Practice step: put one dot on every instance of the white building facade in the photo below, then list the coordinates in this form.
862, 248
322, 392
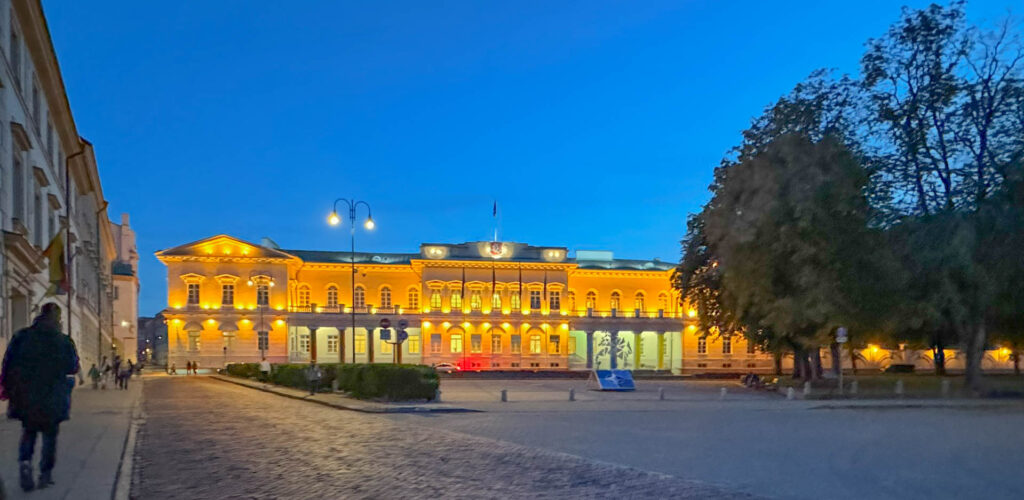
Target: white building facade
125, 273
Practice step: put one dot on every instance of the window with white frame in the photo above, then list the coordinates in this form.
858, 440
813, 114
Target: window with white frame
496, 343
534, 299
413, 298
435, 299
227, 294
385, 297
303, 297
702, 345
555, 300
332, 296
360, 298
515, 344
262, 294
726, 344
535, 344
332, 343
455, 341
303, 342
193, 293
475, 301
413, 344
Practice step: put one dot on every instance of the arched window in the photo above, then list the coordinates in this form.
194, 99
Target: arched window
663, 301
385, 297
496, 301
413, 298
475, 300
435, 299
332, 296
516, 301
616, 302
591, 300
360, 297
571, 297
456, 299
303, 296
639, 302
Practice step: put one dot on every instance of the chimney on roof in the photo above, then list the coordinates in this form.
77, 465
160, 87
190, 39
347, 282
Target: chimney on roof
124, 219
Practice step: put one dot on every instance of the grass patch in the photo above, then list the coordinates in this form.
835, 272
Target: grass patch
915, 385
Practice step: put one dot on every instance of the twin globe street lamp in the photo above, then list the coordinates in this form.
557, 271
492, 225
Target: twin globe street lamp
333, 219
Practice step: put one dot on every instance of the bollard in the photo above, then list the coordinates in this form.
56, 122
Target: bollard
789, 393
661, 394
807, 389
334, 385
437, 396
853, 388
504, 395
722, 393
572, 394
899, 387
945, 388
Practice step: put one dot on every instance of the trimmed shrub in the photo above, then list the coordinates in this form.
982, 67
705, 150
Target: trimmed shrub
244, 370
363, 381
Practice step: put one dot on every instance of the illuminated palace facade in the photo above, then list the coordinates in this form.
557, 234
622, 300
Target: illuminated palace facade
480, 305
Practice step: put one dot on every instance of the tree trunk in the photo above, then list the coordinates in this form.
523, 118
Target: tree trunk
1016, 363
853, 355
837, 358
777, 359
975, 354
939, 357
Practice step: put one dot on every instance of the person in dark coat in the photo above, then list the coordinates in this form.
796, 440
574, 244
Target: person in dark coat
35, 378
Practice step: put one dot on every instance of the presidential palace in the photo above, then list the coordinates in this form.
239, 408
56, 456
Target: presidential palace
479, 305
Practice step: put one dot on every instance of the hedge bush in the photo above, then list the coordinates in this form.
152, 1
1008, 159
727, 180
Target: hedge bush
363, 381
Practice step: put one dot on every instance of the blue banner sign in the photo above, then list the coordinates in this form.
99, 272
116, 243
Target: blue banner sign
615, 380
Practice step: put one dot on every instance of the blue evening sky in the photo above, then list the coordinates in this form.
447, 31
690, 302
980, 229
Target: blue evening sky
594, 124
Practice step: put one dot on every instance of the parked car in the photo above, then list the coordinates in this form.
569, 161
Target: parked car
447, 368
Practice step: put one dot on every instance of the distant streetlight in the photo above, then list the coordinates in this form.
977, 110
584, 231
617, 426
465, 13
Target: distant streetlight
333, 219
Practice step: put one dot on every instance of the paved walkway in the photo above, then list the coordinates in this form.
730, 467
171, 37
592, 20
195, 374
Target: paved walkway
89, 447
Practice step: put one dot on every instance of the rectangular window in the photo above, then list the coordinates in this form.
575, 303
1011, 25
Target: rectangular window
455, 341
435, 299
476, 343
572, 345
332, 343
414, 299
555, 300
303, 342
414, 345
515, 344
227, 294
534, 299
702, 345
262, 341
435, 343
193, 293
387, 347
475, 302
35, 106
117, 292
555, 344
262, 295
496, 344
360, 344
726, 344
516, 301
534, 344
456, 299
496, 301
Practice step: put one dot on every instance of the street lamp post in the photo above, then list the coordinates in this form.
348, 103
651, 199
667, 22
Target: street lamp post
261, 280
333, 219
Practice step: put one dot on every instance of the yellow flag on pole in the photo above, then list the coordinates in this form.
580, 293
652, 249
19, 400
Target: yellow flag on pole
58, 268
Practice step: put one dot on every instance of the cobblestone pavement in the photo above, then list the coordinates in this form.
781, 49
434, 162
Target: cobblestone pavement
208, 439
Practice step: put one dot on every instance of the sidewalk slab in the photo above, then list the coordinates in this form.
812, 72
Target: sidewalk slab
90, 445
341, 401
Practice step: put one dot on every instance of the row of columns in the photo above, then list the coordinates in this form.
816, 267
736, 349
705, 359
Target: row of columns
613, 348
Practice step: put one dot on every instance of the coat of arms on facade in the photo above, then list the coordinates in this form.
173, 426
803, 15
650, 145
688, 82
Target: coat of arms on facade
497, 249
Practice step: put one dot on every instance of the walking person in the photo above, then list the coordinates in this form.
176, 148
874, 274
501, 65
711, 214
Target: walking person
265, 370
95, 375
313, 375
195, 368
104, 373
35, 378
188, 368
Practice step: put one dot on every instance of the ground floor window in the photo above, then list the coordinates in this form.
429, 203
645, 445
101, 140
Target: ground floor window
435, 343
702, 345
515, 344
360, 344
555, 344
534, 344
456, 342
475, 343
496, 344
303, 342
414, 345
386, 347
332, 343
727, 345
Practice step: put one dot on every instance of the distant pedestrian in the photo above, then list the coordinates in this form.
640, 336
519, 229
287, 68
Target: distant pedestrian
195, 368
95, 376
313, 375
126, 374
105, 373
188, 368
265, 370
173, 370
35, 379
